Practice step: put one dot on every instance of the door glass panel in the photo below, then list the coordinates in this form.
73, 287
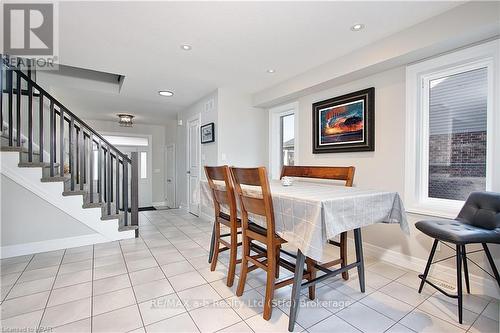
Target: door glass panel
144, 164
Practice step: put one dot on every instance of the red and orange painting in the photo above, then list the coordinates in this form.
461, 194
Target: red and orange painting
342, 124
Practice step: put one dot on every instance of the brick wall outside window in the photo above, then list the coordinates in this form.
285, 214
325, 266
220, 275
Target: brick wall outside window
457, 164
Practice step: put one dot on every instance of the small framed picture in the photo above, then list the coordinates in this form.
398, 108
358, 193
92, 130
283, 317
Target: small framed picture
207, 133
345, 123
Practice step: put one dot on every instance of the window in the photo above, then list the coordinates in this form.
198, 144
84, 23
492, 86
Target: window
282, 138
144, 164
451, 123
287, 139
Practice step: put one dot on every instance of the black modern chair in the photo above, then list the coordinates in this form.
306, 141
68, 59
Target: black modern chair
477, 222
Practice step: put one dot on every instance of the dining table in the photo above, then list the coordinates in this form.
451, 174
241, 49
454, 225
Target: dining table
308, 214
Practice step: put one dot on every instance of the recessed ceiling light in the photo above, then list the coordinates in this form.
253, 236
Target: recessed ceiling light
166, 93
357, 27
186, 47
271, 71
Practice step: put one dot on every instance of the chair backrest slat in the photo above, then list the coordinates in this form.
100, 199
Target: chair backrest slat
260, 204
322, 172
222, 195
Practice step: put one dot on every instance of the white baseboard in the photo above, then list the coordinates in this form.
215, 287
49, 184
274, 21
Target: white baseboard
50, 245
479, 284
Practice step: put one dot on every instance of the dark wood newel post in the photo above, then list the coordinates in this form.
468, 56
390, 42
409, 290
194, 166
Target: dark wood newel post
134, 189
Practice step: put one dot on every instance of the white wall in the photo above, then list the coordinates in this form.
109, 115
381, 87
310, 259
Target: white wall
41, 222
243, 130
158, 148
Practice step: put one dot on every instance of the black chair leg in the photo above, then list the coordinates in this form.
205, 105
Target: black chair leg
466, 270
428, 266
492, 263
459, 282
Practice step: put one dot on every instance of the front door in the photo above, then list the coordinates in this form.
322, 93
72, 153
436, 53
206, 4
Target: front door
145, 183
170, 176
193, 171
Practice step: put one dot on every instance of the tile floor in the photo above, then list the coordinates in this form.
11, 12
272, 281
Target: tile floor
161, 282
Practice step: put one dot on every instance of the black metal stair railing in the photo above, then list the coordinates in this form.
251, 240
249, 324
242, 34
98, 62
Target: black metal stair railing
77, 155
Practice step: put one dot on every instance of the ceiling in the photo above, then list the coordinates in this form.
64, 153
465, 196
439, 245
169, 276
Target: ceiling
233, 44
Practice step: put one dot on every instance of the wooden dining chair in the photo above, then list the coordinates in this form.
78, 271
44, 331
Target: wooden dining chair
221, 185
252, 188
344, 174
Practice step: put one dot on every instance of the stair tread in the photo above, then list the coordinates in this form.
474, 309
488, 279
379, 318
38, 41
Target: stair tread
54, 179
36, 164
128, 227
75, 192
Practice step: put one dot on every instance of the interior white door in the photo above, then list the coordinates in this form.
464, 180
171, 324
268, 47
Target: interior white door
193, 172
145, 182
170, 176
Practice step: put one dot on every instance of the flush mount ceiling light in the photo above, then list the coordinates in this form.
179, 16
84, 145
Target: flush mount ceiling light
358, 27
166, 93
271, 71
186, 47
125, 119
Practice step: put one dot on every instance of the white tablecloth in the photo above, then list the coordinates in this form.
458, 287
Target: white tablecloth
307, 214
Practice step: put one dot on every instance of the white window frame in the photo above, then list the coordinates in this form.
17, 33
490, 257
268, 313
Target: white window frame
418, 77
275, 115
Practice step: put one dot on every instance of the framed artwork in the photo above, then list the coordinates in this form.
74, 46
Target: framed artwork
345, 123
207, 133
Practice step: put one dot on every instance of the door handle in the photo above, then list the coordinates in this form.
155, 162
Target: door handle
169, 180
188, 172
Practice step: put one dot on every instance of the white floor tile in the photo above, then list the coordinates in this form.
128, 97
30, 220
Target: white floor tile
81, 326
277, 323
200, 296
66, 313
31, 287
492, 310
240, 327
247, 305
146, 275
69, 294
423, 322
161, 308
387, 270
448, 311
110, 284
177, 268
398, 328
333, 324
187, 280
365, 318
214, 317
179, 324
16, 306
153, 289
121, 320
113, 300
387, 305
27, 322
405, 293
69, 279
485, 325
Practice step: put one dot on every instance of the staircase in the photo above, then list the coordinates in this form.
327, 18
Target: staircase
40, 135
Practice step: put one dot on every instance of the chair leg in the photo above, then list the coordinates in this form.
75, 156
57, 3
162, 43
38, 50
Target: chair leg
277, 269
312, 273
232, 258
459, 282
466, 270
343, 254
216, 247
271, 277
428, 265
297, 284
244, 266
492, 263
212, 245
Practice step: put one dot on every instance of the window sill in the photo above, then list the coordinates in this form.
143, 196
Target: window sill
447, 211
